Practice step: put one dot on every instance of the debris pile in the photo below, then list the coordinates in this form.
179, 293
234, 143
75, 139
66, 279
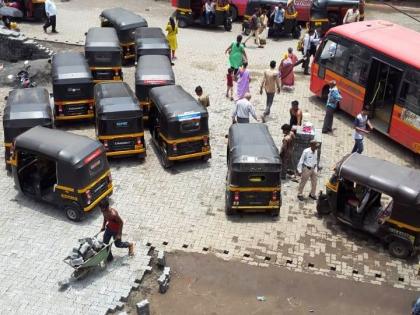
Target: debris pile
88, 247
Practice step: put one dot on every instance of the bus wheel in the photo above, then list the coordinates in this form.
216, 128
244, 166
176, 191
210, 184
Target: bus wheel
73, 212
182, 23
399, 249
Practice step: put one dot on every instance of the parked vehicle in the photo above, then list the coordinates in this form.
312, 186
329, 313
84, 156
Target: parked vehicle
72, 87
23, 79
190, 12
378, 197
29, 9
254, 168
103, 54
125, 23
24, 109
119, 120
151, 41
61, 168
178, 125
151, 71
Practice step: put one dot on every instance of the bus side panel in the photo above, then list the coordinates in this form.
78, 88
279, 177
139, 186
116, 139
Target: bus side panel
404, 132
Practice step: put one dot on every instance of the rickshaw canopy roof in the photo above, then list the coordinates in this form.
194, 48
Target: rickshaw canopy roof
102, 39
176, 104
116, 97
123, 19
252, 143
58, 145
400, 182
154, 68
70, 67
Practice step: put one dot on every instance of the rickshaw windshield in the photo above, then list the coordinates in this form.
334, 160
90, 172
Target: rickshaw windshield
121, 125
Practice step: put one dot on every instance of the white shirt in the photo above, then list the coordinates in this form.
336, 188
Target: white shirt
50, 8
243, 109
361, 121
308, 40
308, 158
209, 7
351, 16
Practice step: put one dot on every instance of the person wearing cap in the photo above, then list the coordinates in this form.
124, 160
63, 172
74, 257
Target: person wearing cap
243, 109
362, 126
334, 97
113, 225
307, 168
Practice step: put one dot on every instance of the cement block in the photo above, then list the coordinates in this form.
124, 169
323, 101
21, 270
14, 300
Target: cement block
143, 307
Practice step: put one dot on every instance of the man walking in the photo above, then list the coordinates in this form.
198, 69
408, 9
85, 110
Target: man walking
310, 43
270, 82
307, 168
243, 109
360, 123
352, 15
51, 12
113, 225
334, 97
286, 151
255, 26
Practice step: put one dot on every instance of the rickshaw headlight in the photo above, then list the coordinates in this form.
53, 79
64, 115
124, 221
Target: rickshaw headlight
106, 145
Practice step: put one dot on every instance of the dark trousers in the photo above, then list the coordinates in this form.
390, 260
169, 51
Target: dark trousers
358, 146
108, 234
270, 98
328, 120
242, 120
50, 22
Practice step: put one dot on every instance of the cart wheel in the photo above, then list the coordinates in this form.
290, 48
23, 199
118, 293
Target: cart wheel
80, 273
228, 25
182, 23
73, 212
399, 249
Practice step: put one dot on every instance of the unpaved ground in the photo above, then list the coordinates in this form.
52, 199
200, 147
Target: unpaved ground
205, 284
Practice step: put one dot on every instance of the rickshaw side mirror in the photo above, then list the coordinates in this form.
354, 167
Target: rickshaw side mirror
49, 60
6, 97
85, 33
226, 136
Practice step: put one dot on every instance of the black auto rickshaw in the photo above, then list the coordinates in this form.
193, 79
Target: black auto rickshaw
326, 14
72, 87
378, 197
125, 23
254, 168
152, 71
178, 125
25, 108
61, 168
103, 54
151, 41
119, 120
189, 12
290, 25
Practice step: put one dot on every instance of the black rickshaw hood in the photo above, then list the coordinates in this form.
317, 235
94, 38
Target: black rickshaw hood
70, 67
151, 69
123, 19
102, 39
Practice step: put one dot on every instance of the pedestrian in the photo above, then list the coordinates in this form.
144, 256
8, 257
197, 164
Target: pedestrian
255, 26
270, 83
172, 30
416, 307
362, 4
286, 70
229, 83
243, 78
362, 126
308, 168
113, 225
243, 109
203, 99
51, 12
310, 43
334, 97
352, 15
286, 151
278, 17
237, 54
295, 114
209, 11
263, 28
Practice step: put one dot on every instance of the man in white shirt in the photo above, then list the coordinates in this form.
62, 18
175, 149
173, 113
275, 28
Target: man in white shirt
307, 168
352, 15
51, 12
310, 43
243, 109
362, 126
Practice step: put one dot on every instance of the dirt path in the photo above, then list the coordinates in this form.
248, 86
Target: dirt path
205, 284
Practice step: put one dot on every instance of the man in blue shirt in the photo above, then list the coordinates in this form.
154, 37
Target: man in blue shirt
334, 97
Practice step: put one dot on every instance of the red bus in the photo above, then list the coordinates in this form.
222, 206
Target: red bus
375, 63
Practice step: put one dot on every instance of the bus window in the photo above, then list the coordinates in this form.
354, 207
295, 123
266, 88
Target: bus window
357, 70
340, 59
410, 92
328, 53
334, 56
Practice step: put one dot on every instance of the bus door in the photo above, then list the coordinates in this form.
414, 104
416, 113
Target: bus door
381, 93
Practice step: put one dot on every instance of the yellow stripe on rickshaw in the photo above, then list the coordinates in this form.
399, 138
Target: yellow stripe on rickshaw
74, 117
80, 191
188, 156
75, 102
403, 225
173, 141
183, 10
65, 188
232, 188
126, 152
7, 144
106, 193
255, 207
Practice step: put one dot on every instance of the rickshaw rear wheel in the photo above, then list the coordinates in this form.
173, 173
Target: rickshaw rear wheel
228, 210
73, 212
182, 23
275, 213
228, 25
399, 249
296, 32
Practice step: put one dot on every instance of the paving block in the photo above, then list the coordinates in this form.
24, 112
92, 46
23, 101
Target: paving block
143, 307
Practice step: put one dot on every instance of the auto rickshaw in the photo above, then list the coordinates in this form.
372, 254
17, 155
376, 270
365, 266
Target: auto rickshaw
254, 167
190, 12
25, 108
103, 54
326, 14
29, 9
377, 197
125, 23
290, 24
178, 125
151, 41
119, 120
72, 87
151, 71
61, 168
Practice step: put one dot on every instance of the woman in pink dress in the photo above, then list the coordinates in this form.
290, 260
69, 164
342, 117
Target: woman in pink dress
287, 74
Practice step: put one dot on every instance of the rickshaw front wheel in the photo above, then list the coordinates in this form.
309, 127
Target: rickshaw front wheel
73, 212
228, 25
296, 32
399, 249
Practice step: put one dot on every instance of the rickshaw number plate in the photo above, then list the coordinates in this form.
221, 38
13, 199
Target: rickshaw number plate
188, 116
